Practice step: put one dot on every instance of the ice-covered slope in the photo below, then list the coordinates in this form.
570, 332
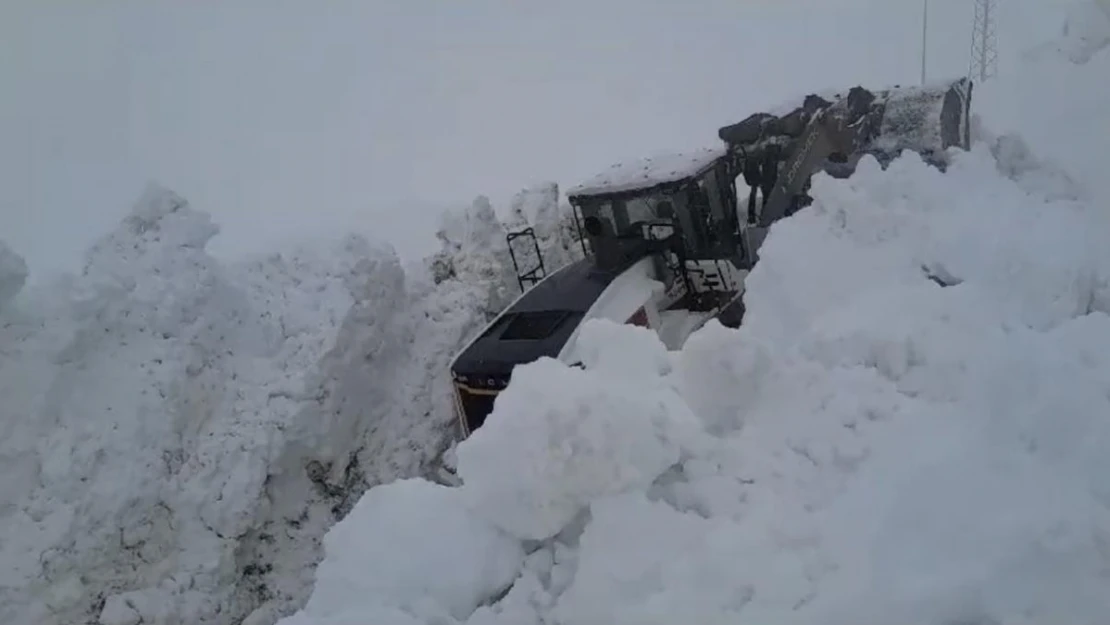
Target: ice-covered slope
178, 434
910, 427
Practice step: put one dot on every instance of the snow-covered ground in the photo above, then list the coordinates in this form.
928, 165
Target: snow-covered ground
910, 427
179, 435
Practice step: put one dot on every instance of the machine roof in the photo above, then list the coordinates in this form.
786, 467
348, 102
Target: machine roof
538, 324
649, 172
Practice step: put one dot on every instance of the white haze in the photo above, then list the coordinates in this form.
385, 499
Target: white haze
286, 120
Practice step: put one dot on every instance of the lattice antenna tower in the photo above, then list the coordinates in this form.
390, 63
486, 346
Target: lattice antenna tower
984, 41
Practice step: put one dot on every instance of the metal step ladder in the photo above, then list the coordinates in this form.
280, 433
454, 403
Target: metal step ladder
539, 271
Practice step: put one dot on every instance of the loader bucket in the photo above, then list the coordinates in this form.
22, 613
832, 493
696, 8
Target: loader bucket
927, 119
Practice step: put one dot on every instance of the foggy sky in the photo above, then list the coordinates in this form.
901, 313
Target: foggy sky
290, 118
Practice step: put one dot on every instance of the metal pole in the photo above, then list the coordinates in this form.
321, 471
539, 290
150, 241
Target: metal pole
924, 38
984, 41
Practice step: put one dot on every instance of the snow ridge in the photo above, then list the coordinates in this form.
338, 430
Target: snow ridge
146, 486
179, 434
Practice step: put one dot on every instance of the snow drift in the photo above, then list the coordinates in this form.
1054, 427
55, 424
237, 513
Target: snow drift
909, 428
178, 434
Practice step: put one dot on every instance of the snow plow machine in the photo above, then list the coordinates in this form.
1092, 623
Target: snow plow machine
667, 244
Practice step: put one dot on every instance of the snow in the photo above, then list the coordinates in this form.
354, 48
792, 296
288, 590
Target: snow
1057, 105
167, 389
569, 449
676, 325
1086, 31
357, 562
648, 172
554, 224
624, 296
911, 430
179, 433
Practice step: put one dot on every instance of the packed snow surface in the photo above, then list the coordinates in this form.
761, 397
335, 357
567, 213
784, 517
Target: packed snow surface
647, 172
910, 427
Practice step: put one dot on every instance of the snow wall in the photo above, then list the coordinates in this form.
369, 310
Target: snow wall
178, 433
909, 428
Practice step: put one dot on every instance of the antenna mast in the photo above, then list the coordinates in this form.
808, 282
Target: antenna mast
984, 41
924, 37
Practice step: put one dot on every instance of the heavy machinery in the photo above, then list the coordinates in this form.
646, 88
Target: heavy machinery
666, 242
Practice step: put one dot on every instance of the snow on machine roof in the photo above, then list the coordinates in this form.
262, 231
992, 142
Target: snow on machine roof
645, 173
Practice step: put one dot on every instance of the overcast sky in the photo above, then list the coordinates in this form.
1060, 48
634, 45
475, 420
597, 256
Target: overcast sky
286, 118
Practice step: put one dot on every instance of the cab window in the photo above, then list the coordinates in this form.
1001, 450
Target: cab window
603, 213
640, 209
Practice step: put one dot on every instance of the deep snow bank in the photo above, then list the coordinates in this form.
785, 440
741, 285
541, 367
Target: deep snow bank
165, 389
909, 428
178, 434
13, 273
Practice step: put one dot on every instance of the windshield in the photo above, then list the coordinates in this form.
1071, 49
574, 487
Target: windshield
641, 209
614, 217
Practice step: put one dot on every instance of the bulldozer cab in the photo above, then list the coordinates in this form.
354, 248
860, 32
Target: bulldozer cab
682, 205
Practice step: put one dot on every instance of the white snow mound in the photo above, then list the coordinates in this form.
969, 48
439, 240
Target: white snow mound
178, 434
567, 449
421, 585
162, 390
